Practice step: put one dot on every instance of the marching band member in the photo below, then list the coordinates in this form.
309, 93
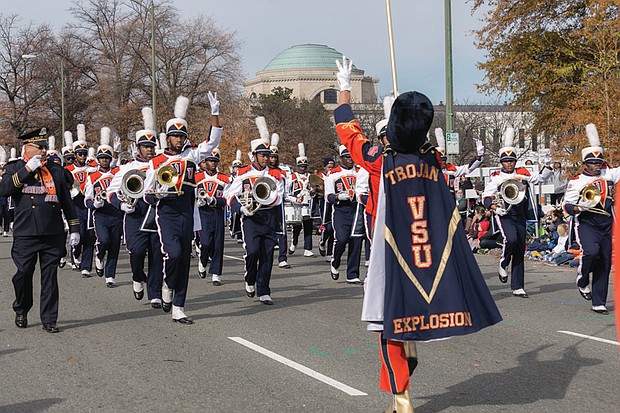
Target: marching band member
82, 253
41, 196
174, 199
258, 224
299, 194
235, 218
362, 192
589, 198
139, 229
408, 283
274, 162
106, 218
210, 201
326, 239
511, 218
450, 171
347, 216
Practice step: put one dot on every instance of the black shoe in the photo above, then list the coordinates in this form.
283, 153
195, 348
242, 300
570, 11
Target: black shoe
267, 302
166, 306
322, 250
51, 328
21, 320
184, 320
601, 311
202, 274
62, 263
138, 295
110, 285
99, 272
217, 283
250, 294
156, 305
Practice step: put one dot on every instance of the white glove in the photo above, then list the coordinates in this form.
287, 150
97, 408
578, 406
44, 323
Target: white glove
215, 104
479, 148
209, 200
74, 192
161, 188
98, 203
500, 211
344, 196
118, 147
74, 239
127, 208
34, 163
201, 202
344, 73
245, 211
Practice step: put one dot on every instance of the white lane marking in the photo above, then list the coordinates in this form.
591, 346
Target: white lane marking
320, 377
602, 340
234, 258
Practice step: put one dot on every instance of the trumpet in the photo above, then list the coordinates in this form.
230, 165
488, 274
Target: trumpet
202, 193
511, 192
589, 197
101, 196
316, 183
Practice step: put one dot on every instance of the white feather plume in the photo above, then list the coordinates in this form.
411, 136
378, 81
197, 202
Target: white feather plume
388, 101
592, 134
238, 155
441, 139
302, 149
51, 143
251, 156
147, 117
275, 139
68, 138
163, 143
180, 107
105, 135
2, 154
91, 152
263, 131
509, 137
81, 132
13, 153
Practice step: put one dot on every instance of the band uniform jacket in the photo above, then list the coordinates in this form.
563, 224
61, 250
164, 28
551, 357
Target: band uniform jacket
342, 180
34, 216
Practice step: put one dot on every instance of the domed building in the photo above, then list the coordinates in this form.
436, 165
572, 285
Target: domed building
310, 71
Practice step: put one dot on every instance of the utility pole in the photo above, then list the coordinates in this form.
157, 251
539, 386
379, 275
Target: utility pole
448, 51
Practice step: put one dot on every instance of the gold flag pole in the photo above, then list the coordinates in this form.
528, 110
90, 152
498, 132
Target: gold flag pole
391, 38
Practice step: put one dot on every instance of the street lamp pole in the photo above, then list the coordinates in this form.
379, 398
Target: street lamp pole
448, 51
62, 97
26, 57
153, 74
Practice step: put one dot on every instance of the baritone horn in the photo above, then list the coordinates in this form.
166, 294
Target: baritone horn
132, 186
511, 192
263, 193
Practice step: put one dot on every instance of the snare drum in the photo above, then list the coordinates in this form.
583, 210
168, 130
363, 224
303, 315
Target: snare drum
292, 213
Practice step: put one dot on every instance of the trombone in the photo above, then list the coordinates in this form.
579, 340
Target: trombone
590, 196
168, 177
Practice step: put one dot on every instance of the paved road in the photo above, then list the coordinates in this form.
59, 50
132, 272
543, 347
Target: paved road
116, 354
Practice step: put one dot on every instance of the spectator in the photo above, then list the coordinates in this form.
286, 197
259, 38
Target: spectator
559, 183
461, 204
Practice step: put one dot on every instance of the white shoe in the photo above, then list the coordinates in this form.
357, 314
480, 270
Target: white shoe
354, 281
4, 234
215, 279
366, 263
265, 299
110, 282
284, 264
98, 263
291, 249
334, 272
277, 247
308, 253
85, 273
156, 302
601, 309
250, 290
166, 293
520, 293
503, 275
178, 315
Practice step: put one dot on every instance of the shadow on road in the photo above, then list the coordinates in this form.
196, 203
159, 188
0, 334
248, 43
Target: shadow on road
31, 406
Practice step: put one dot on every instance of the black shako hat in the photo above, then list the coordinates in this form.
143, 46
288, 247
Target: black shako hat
410, 119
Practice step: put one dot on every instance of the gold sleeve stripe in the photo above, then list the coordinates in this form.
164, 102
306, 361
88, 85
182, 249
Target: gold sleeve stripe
16, 181
73, 222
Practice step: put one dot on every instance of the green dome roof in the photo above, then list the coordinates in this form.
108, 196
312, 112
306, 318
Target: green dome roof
305, 56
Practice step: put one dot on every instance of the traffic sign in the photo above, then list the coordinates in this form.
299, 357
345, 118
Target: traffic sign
452, 143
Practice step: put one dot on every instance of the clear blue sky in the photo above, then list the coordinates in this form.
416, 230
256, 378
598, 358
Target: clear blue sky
357, 28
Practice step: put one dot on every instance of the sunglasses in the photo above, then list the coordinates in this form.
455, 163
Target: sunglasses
39, 147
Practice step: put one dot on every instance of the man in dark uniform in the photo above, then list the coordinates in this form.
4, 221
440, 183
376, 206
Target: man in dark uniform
326, 240
40, 194
282, 244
